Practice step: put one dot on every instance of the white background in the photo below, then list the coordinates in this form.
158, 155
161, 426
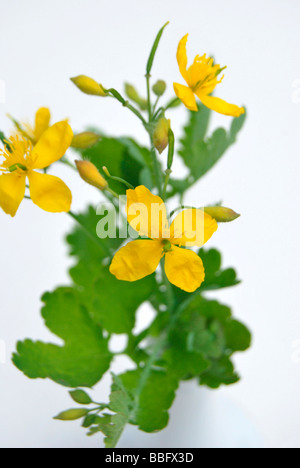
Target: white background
42, 44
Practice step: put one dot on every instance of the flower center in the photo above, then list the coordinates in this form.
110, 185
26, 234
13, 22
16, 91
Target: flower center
17, 155
167, 246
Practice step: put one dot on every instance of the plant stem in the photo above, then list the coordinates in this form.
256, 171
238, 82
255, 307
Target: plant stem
168, 173
156, 168
148, 76
122, 181
135, 111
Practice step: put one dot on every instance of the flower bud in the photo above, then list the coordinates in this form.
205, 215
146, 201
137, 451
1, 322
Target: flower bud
133, 94
88, 86
85, 140
72, 414
161, 134
106, 171
221, 214
90, 174
159, 87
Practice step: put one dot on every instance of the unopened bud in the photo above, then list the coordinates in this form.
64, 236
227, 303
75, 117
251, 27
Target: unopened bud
161, 134
133, 94
90, 174
221, 214
106, 171
159, 87
72, 414
85, 140
88, 86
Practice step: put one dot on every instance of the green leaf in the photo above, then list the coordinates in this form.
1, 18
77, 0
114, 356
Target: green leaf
72, 414
84, 356
90, 248
202, 341
123, 157
154, 399
215, 277
180, 360
91, 419
112, 425
112, 303
81, 397
154, 48
199, 153
221, 372
238, 337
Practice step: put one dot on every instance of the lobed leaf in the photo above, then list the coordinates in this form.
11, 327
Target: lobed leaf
81, 360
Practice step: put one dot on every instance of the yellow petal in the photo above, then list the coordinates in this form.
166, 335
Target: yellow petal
42, 122
12, 191
52, 145
218, 105
192, 227
182, 57
184, 269
136, 260
49, 192
186, 95
146, 213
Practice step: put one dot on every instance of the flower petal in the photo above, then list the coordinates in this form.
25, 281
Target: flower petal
12, 191
218, 105
192, 227
184, 269
186, 95
42, 121
182, 57
49, 192
146, 213
136, 260
52, 145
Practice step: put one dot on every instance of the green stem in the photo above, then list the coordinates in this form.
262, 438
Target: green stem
169, 290
113, 193
114, 93
155, 104
148, 76
122, 181
135, 111
156, 168
168, 173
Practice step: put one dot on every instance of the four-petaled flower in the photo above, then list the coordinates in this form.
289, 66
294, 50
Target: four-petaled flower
201, 78
34, 132
141, 257
20, 161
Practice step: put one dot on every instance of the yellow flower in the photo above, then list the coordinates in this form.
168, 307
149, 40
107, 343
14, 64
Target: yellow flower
21, 158
141, 257
201, 78
41, 124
